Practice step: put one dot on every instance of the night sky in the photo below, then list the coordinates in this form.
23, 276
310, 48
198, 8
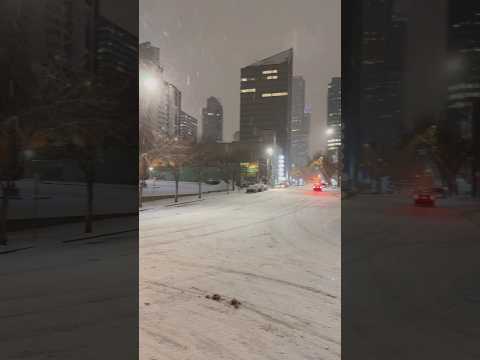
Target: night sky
203, 45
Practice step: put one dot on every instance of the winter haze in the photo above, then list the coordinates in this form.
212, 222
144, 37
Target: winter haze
203, 45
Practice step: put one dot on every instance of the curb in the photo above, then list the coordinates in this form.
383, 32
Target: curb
15, 250
170, 196
98, 236
14, 225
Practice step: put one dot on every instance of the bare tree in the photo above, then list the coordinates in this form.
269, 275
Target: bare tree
448, 150
173, 154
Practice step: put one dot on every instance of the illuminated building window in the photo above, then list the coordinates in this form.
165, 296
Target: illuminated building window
244, 79
248, 90
275, 94
272, 77
266, 72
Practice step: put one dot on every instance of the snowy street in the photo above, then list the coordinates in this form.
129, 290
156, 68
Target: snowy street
412, 276
276, 252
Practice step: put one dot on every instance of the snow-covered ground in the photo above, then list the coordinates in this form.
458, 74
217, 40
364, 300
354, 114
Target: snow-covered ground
63, 199
276, 252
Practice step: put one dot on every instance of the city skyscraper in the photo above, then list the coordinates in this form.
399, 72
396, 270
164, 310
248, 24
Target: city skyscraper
117, 50
188, 128
64, 30
212, 121
148, 52
266, 99
334, 118
464, 65
153, 92
298, 148
304, 139
374, 95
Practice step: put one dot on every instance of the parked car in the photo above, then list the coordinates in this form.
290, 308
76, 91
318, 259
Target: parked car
253, 188
317, 187
264, 187
424, 198
212, 182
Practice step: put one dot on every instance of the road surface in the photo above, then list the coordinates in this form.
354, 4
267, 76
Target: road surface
70, 300
276, 252
411, 279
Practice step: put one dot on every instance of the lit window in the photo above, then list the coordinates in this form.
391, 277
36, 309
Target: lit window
265, 72
248, 90
244, 79
275, 94
210, 114
272, 77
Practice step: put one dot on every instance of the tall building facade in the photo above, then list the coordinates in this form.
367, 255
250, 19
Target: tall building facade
266, 100
117, 51
52, 29
212, 121
188, 129
298, 137
173, 108
373, 98
152, 92
148, 52
334, 118
160, 101
464, 66
303, 152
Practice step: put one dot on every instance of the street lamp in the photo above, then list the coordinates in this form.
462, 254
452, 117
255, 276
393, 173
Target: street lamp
150, 83
330, 131
269, 151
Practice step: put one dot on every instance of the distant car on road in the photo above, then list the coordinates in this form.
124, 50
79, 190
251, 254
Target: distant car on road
424, 198
317, 187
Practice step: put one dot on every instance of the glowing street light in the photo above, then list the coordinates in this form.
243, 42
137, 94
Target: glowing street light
330, 131
150, 83
269, 151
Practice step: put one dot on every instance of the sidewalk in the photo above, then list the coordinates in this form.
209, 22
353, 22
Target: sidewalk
62, 235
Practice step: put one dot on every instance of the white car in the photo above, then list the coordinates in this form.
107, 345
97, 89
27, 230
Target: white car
253, 188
